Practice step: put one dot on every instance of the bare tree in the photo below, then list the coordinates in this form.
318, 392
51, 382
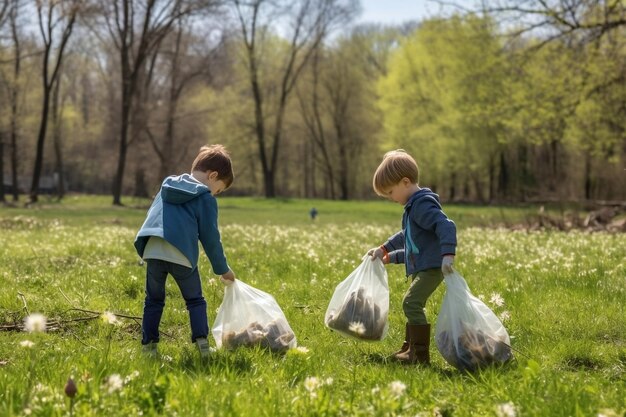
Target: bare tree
137, 29
590, 19
314, 122
15, 5
309, 22
183, 70
5, 11
50, 14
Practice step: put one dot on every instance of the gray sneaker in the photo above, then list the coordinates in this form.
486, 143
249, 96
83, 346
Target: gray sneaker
203, 347
150, 350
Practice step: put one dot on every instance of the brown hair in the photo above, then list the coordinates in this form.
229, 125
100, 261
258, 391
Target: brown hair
395, 165
215, 158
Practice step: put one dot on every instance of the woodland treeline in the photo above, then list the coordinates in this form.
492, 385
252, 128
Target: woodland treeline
516, 101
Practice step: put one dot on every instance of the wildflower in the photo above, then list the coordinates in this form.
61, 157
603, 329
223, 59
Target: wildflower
505, 315
132, 376
70, 388
397, 388
302, 349
35, 323
506, 410
26, 344
375, 390
329, 381
109, 318
497, 299
311, 383
356, 327
114, 383
212, 282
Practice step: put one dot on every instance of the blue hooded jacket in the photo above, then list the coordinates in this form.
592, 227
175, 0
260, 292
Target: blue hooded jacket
427, 234
183, 212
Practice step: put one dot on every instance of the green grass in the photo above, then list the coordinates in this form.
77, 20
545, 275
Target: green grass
563, 298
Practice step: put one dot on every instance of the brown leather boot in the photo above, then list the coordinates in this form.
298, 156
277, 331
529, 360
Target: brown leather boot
419, 342
405, 344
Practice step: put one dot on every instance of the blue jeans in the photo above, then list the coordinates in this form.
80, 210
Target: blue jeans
188, 281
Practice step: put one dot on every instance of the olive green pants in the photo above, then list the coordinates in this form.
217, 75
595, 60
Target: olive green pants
423, 285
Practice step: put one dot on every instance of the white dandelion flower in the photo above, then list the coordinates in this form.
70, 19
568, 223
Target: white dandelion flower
505, 315
397, 388
356, 327
114, 383
311, 383
109, 318
506, 410
26, 344
35, 323
497, 299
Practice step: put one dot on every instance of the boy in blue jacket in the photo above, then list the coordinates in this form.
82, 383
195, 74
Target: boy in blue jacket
183, 212
426, 246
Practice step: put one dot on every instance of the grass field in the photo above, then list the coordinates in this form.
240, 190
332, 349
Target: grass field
561, 295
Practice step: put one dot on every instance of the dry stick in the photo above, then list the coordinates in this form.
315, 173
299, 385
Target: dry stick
19, 294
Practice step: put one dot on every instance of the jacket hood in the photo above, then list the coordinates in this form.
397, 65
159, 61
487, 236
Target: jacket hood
422, 194
182, 188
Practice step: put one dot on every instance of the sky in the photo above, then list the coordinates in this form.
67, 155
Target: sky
399, 11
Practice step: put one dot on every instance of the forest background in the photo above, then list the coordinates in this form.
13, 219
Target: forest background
499, 101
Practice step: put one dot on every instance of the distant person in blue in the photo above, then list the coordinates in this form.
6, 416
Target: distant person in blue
313, 213
426, 245
183, 213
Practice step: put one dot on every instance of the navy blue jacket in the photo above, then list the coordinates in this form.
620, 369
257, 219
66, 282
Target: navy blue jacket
183, 212
427, 234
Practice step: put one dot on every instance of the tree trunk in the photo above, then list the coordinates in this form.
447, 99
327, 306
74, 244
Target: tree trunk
2, 198
41, 138
503, 177
121, 161
588, 175
57, 140
14, 97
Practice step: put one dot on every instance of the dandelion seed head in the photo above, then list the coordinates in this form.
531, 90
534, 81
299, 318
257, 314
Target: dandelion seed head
114, 383
26, 344
497, 299
109, 318
311, 383
35, 323
506, 410
397, 388
505, 315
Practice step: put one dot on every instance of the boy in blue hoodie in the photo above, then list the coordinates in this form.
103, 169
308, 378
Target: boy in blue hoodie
426, 246
183, 212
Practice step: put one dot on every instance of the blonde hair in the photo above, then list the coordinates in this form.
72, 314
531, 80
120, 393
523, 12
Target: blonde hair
215, 158
395, 165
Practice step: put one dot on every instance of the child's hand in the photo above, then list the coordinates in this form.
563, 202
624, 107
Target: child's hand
378, 253
446, 264
228, 278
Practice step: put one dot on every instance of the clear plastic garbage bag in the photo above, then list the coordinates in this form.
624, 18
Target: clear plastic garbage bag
250, 317
360, 305
468, 334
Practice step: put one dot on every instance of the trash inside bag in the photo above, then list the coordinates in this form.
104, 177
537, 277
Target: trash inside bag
251, 317
468, 334
360, 304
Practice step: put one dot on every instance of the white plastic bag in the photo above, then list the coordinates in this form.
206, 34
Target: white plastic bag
360, 305
249, 317
468, 334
